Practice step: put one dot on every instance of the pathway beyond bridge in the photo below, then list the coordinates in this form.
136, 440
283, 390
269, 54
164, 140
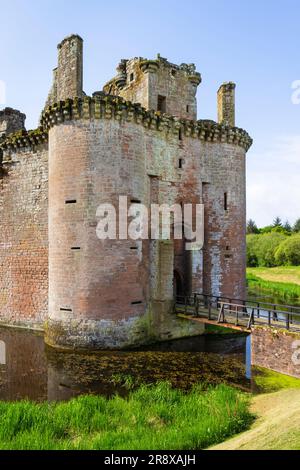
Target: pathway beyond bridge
237, 314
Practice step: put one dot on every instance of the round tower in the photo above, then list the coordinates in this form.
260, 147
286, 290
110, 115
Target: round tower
97, 287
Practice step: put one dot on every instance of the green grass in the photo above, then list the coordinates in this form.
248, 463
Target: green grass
286, 290
269, 381
287, 274
153, 417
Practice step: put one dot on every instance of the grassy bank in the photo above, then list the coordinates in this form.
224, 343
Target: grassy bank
278, 425
152, 417
283, 282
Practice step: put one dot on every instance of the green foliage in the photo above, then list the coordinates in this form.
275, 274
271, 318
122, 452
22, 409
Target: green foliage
153, 417
277, 222
252, 250
252, 227
296, 227
287, 227
288, 252
261, 248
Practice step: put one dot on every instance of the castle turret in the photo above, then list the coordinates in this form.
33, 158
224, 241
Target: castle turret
11, 120
68, 75
226, 104
158, 85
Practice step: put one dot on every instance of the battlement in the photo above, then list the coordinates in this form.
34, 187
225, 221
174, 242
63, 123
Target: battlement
11, 120
115, 107
157, 85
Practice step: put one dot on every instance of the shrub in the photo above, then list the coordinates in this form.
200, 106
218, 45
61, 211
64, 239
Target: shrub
252, 243
261, 249
288, 252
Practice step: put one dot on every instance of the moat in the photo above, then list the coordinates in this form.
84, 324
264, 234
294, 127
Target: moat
31, 370
36, 372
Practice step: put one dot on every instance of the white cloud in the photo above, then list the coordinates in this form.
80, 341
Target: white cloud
273, 178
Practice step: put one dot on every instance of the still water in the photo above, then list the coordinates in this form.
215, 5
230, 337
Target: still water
32, 370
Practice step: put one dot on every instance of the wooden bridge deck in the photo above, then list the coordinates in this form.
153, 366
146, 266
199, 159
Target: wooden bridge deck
237, 314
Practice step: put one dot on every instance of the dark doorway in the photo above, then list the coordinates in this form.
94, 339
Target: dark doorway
177, 285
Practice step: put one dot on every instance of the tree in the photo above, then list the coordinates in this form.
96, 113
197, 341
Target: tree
266, 248
287, 227
277, 222
252, 227
288, 252
296, 227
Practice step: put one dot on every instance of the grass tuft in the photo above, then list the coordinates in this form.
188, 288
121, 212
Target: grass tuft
153, 417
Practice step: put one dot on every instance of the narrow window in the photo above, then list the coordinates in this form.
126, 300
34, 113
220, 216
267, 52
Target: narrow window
133, 248
187, 108
70, 201
131, 77
75, 248
225, 201
63, 309
161, 103
180, 163
180, 134
135, 201
137, 302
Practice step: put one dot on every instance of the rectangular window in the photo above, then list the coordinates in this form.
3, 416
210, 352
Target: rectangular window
70, 201
225, 201
131, 77
187, 108
161, 103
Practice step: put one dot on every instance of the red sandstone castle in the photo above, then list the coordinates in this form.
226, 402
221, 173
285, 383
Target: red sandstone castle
139, 137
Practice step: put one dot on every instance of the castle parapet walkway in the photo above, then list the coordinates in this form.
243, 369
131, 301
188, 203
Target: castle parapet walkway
237, 314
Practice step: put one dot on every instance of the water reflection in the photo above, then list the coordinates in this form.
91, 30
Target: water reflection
37, 372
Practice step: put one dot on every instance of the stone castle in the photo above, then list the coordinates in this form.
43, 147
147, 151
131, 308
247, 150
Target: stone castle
139, 137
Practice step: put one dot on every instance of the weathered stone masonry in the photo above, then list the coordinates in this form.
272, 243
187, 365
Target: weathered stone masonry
137, 138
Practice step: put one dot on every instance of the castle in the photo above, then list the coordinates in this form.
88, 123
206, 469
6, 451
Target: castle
140, 138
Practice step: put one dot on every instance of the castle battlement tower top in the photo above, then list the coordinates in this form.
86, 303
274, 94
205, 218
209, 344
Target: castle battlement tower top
157, 85
11, 120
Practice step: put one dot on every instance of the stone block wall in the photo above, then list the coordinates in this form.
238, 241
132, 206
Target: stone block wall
278, 350
24, 237
11, 120
144, 81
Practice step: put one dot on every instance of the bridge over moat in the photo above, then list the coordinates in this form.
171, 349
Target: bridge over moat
238, 314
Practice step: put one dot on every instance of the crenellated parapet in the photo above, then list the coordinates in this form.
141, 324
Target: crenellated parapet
112, 107
22, 139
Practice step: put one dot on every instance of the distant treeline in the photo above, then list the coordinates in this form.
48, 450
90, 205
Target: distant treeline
274, 245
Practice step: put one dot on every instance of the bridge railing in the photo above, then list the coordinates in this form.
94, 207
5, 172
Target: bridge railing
239, 312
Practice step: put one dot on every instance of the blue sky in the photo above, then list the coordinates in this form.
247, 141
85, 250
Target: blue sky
254, 43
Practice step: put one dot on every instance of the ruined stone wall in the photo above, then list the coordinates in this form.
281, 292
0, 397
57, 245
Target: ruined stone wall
24, 237
143, 81
226, 104
276, 349
67, 79
11, 121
